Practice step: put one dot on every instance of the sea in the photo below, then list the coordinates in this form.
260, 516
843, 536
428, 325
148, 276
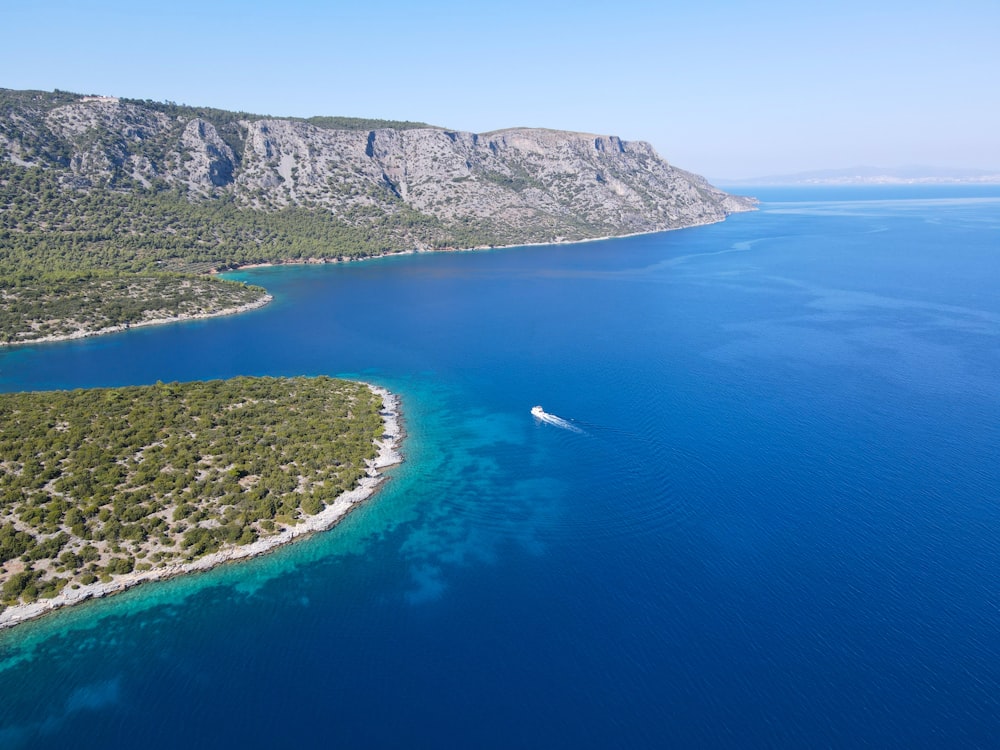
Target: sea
767, 514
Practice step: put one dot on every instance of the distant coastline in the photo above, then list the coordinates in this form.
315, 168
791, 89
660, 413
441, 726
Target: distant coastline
388, 455
871, 176
393, 253
267, 298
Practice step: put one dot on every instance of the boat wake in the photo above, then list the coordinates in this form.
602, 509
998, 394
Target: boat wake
543, 416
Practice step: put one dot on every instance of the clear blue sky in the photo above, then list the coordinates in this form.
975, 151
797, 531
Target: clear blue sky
725, 89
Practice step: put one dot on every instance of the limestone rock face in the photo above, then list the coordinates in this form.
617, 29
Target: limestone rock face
518, 177
105, 137
209, 161
514, 185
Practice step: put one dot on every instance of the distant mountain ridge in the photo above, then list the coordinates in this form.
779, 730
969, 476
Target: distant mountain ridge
421, 187
910, 175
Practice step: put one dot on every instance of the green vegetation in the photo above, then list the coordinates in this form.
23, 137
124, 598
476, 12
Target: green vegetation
70, 247
36, 139
226, 122
14, 99
44, 228
362, 123
94, 188
64, 304
97, 483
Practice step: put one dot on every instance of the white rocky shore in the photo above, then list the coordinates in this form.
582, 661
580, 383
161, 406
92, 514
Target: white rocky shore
86, 333
388, 455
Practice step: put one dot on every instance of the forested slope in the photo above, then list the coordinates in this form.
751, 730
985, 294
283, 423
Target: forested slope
100, 184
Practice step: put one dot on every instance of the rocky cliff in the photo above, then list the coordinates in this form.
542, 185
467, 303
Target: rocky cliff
506, 186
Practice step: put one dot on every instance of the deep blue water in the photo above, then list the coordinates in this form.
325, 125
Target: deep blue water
779, 526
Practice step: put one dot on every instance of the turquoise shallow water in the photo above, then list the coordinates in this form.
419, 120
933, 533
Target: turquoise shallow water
776, 526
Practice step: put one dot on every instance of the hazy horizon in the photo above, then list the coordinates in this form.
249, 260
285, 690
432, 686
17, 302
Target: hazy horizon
917, 173
727, 91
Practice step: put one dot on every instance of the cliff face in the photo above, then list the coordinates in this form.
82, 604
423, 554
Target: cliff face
515, 185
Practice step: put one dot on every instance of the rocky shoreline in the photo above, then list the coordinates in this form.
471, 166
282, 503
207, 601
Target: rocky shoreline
321, 261
267, 298
388, 455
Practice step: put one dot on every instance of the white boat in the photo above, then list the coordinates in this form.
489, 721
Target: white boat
543, 416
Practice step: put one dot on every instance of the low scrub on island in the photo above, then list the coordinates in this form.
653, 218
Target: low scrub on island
103, 482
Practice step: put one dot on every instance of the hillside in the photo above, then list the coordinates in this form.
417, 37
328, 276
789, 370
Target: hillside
443, 188
107, 185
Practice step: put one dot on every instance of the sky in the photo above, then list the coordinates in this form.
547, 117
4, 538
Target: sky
724, 89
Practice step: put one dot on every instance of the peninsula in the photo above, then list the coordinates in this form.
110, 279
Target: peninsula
117, 213
96, 191
103, 489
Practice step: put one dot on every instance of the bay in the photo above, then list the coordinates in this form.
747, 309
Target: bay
774, 525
